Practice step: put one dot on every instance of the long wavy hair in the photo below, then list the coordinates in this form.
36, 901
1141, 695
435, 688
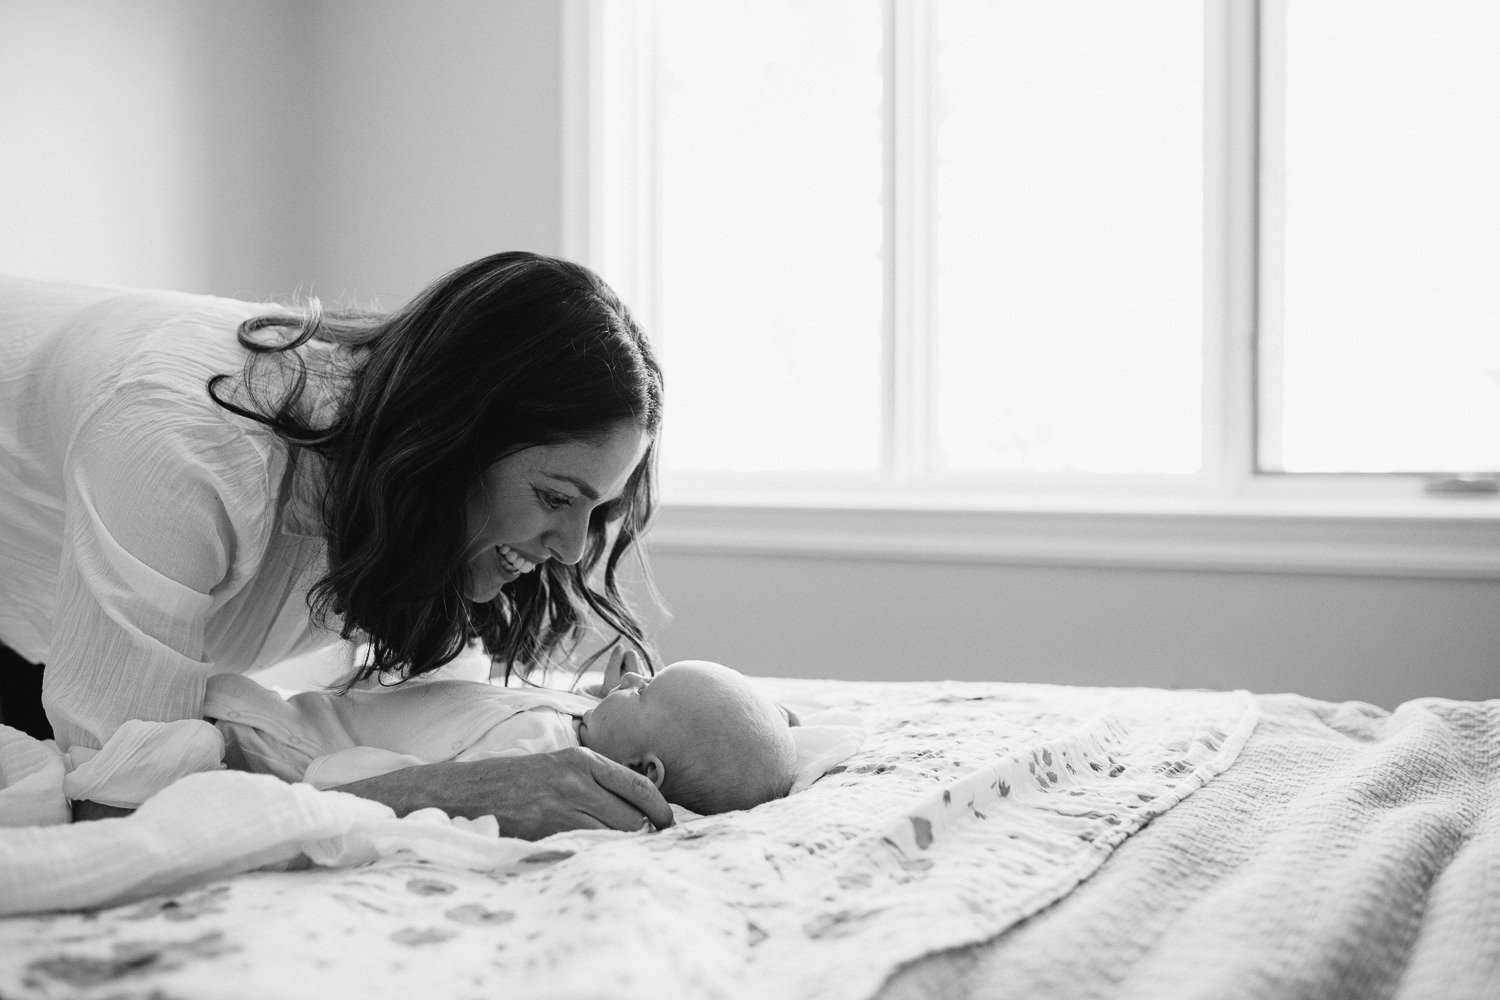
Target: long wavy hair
507, 352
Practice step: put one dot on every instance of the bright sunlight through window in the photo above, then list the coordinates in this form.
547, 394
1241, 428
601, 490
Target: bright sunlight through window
1068, 236
1383, 348
960, 243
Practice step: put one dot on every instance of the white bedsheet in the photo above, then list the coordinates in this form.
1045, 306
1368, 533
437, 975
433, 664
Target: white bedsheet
969, 808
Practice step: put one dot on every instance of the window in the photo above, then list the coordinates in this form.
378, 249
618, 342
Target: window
981, 246
771, 210
1381, 328
1061, 152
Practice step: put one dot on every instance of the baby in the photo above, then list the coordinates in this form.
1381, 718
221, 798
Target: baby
701, 732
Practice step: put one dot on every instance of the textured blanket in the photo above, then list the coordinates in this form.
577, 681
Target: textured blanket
970, 807
1351, 853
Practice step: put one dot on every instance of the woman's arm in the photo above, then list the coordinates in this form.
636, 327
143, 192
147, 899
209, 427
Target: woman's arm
158, 501
531, 796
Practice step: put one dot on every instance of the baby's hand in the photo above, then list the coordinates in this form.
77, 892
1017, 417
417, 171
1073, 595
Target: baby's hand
621, 661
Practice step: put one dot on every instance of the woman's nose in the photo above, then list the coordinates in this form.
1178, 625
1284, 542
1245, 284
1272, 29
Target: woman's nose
567, 541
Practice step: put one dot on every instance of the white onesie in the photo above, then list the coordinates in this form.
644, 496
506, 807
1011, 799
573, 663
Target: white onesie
328, 740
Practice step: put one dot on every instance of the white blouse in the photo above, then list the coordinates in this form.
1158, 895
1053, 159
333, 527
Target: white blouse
149, 538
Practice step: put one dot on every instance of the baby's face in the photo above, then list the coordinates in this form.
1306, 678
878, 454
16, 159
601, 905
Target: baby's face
638, 716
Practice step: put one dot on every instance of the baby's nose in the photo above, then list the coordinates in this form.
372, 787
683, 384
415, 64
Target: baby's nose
630, 680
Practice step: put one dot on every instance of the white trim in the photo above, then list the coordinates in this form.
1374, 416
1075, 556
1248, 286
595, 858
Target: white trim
1352, 492
1389, 541
1271, 211
909, 331
1230, 240
610, 217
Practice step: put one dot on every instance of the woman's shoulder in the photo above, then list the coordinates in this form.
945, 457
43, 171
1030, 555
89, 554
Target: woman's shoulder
148, 356
177, 341
120, 322
174, 428
78, 349
154, 461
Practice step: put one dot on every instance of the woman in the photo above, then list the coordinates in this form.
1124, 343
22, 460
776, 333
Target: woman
190, 485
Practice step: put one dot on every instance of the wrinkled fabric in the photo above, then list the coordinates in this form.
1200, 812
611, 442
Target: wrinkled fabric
969, 808
31, 781
141, 759
196, 821
329, 740
1351, 853
148, 537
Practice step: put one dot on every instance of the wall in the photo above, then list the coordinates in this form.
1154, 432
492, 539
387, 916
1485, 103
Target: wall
139, 143
437, 130
1371, 638
259, 148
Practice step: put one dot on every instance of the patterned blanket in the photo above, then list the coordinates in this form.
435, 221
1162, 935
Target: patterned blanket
969, 808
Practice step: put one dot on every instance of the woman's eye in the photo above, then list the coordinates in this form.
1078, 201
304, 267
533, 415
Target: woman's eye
553, 501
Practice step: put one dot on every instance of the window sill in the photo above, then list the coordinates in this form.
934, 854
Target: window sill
1443, 538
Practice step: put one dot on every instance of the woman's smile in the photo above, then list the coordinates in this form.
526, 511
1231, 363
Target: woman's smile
513, 562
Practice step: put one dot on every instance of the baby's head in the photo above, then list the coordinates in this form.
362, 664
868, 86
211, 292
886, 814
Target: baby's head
701, 732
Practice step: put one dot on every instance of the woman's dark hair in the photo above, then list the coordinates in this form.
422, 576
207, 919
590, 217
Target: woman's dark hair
507, 352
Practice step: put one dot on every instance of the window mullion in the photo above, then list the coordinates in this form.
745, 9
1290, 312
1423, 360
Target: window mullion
629, 165
909, 140
1231, 231
1270, 112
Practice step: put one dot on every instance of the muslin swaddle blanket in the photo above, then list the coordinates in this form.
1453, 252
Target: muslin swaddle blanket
968, 808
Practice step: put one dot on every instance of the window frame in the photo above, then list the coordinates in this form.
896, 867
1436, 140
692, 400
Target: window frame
1232, 515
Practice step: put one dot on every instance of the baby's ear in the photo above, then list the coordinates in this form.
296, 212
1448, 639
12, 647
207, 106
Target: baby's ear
652, 767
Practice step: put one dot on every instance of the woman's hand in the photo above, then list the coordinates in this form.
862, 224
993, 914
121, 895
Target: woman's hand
531, 796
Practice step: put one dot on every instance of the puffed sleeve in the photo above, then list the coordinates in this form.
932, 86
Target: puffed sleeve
168, 509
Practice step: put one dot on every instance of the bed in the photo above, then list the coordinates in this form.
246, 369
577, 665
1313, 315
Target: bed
978, 841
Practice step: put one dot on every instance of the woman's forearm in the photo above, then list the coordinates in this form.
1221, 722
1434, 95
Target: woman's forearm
405, 791
531, 796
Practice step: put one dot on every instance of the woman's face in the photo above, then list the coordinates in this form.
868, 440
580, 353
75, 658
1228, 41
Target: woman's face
534, 505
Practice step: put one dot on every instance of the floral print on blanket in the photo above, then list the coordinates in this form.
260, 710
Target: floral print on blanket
970, 807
